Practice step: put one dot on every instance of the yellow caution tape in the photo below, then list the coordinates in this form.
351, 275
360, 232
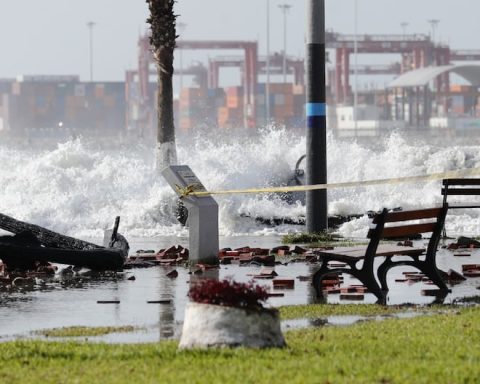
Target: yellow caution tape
190, 190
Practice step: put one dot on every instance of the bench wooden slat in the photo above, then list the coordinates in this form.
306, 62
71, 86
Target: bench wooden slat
405, 230
461, 191
382, 250
393, 217
450, 182
464, 205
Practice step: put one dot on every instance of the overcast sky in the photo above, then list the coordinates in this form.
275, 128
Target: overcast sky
51, 36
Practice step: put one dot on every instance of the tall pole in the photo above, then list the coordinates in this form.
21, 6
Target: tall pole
181, 29
434, 24
404, 26
355, 93
90, 26
317, 208
267, 83
285, 8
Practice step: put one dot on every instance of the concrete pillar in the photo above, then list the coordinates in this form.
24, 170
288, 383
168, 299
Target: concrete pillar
202, 215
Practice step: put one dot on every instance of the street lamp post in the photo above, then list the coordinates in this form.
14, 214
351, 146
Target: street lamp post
434, 23
404, 26
316, 166
285, 9
90, 26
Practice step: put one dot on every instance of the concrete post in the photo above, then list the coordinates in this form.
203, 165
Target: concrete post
202, 215
316, 115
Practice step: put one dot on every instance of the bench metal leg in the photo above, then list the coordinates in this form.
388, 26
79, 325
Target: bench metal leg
427, 269
382, 273
367, 278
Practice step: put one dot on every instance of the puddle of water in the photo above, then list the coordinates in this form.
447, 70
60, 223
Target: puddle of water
73, 302
344, 320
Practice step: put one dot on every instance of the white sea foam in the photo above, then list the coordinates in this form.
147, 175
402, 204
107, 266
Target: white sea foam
78, 190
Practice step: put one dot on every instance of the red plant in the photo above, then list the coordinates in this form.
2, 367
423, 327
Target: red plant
228, 293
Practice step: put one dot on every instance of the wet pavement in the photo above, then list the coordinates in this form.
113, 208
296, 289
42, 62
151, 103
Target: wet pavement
73, 301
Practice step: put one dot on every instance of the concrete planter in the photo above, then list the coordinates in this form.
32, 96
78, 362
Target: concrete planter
208, 325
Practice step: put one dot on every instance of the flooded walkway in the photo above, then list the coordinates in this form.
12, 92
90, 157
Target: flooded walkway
72, 301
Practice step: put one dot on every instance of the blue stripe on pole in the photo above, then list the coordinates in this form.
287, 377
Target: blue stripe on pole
316, 109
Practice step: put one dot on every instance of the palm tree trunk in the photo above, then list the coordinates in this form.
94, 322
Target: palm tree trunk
162, 20
166, 149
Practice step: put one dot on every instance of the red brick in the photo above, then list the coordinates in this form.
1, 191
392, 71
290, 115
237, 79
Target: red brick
331, 291
352, 296
261, 251
470, 267
275, 294
268, 272
472, 273
284, 283
283, 252
432, 292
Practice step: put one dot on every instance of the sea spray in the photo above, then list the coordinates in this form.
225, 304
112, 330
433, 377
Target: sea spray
78, 189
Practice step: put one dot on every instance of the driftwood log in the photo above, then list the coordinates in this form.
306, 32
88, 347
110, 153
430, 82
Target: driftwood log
45, 236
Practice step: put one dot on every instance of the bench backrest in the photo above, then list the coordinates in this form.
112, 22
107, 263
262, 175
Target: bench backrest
460, 187
392, 225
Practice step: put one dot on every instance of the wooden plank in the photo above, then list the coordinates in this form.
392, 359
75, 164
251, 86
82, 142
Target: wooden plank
461, 191
408, 230
461, 182
393, 217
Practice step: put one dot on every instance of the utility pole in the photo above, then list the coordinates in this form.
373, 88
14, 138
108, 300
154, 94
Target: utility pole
434, 24
317, 207
285, 9
90, 26
267, 83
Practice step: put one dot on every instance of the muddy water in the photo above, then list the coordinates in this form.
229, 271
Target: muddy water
61, 302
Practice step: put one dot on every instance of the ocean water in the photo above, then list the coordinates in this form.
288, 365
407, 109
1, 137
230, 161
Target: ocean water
78, 188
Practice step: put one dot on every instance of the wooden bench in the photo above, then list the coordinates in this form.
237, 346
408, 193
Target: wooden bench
461, 187
387, 226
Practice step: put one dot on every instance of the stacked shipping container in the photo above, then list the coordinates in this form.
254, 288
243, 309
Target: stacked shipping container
65, 104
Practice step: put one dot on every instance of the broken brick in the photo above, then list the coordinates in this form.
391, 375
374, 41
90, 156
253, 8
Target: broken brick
455, 276
352, 296
299, 250
284, 283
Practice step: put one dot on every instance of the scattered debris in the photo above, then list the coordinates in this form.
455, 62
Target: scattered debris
464, 242
352, 296
283, 284
432, 292
173, 274
455, 276
471, 270
165, 301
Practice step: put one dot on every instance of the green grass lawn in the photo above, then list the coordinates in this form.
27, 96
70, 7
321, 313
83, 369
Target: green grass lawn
440, 348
